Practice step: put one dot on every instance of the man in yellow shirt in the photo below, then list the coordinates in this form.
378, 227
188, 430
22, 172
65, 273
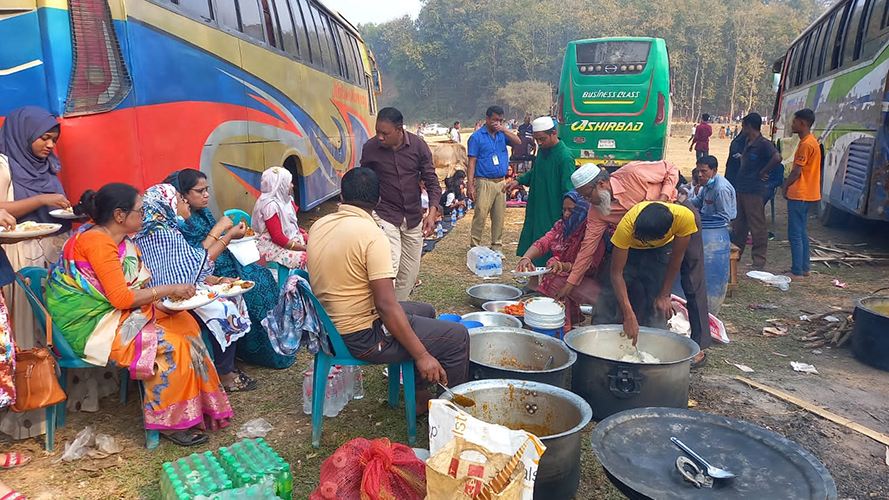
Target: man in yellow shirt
649, 245
350, 264
801, 189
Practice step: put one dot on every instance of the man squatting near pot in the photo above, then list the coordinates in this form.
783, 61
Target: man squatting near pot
613, 197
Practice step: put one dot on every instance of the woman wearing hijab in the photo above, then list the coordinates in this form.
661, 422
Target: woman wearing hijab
564, 240
29, 189
171, 260
274, 220
100, 297
201, 230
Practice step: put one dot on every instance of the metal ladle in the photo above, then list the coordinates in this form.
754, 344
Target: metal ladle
459, 399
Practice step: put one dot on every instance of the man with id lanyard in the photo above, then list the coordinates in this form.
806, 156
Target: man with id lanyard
488, 163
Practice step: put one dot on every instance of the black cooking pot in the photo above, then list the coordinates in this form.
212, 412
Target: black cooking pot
870, 334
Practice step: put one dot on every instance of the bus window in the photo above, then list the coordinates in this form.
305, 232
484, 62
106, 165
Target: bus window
228, 14
323, 41
604, 57
852, 42
825, 44
884, 19
803, 61
335, 49
356, 55
864, 33
839, 37
285, 27
251, 19
345, 46
270, 24
299, 22
876, 19
790, 79
815, 53
198, 8
312, 30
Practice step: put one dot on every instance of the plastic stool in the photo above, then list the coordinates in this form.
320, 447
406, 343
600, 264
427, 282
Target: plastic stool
558, 333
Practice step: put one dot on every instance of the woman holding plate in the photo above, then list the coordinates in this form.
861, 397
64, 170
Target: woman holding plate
201, 229
171, 259
564, 240
100, 296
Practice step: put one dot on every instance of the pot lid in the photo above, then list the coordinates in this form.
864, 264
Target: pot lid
635, 449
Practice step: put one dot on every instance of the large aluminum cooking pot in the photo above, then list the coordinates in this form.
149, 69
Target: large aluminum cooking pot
554, 415
611, 385
503, 352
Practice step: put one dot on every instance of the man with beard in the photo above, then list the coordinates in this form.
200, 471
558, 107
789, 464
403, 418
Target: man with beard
612, 196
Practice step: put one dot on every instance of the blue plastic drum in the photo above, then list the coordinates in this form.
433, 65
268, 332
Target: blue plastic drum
717, 260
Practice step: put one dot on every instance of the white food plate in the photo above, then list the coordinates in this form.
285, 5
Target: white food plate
234, 291
539, 272
61, 213
30, 229
201, 298
243, 240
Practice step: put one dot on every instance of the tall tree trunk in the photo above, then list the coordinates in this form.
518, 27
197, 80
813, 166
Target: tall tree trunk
701, 92
694, 89
734, 88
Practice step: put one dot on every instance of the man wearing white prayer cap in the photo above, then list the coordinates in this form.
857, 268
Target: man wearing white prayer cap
612, 196
548, 181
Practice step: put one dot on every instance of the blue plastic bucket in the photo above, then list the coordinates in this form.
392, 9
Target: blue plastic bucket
454, 318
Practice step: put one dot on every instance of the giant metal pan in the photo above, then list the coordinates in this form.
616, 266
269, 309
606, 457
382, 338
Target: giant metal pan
635, 449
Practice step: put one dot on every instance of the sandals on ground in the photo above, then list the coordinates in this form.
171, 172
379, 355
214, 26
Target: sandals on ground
187, 437
701, 362
13, 495
13, 460
242, 384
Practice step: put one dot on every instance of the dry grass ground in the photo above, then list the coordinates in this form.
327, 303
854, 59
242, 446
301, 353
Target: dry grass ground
844, 385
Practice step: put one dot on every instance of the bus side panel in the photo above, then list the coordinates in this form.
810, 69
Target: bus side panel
878, 200
55, 26
22, 67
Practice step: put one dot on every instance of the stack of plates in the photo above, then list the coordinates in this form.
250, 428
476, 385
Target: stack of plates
544, 313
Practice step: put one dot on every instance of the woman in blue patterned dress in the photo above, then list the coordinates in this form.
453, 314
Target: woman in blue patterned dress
199, 230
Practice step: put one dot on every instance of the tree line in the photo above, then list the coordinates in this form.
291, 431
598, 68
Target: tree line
460, 56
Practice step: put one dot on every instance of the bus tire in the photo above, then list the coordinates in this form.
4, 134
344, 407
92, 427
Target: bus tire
294, 165
830, 216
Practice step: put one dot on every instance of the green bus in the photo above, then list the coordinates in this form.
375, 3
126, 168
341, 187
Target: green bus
614, 100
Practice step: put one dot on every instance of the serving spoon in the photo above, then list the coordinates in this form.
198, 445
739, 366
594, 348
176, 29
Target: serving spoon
459, 399
714, 472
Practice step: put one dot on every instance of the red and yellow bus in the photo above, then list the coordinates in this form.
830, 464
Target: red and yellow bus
232, 87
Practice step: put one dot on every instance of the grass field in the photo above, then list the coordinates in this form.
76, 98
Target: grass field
844, 385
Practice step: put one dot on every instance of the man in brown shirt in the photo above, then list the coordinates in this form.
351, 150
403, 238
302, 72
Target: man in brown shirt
401, 160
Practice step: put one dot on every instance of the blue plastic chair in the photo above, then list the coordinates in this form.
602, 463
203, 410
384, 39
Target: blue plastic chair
342, 356
31, 280
237, 216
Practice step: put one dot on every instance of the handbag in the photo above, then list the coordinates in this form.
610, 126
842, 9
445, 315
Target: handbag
36, 381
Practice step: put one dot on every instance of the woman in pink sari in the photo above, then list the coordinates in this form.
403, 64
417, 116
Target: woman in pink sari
564, 240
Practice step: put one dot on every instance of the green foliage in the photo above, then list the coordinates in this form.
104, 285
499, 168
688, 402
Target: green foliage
459, 56
530, 97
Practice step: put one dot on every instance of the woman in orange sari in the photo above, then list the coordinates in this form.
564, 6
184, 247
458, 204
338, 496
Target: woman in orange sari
98, 296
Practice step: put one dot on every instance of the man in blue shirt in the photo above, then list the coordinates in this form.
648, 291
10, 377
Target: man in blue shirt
488, 162
716, 199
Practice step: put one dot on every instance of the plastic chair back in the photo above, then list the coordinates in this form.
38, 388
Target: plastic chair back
237, 216
35, 277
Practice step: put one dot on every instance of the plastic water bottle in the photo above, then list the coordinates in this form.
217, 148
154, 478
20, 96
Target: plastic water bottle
331, 402
439, 231
453, 217
358, 389
469, 203
460, 212
308, 382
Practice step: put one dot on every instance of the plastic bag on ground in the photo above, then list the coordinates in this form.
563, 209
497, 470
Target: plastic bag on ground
778, 281
256, 428
80, 447
107, 444
372, 470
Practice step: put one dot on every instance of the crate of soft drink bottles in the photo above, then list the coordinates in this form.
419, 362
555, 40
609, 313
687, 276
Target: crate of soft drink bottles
344, 383
249, 469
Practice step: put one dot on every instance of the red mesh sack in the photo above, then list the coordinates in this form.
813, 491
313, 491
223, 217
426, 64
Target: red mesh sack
372, 470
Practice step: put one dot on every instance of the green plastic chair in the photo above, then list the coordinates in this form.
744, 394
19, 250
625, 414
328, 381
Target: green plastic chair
342, 356
31, 280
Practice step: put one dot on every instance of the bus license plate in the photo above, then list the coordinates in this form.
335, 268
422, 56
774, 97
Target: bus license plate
606, 144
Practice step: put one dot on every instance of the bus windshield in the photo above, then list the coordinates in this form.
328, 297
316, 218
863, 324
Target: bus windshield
612, 52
